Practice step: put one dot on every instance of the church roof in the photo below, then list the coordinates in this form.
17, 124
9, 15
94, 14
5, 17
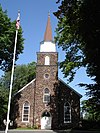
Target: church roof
58, 79
70, 87
25, 86
48, 31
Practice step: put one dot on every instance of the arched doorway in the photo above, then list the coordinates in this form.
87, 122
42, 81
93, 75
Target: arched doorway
46, 120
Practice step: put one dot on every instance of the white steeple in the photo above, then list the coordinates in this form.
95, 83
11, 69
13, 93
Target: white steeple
48, 45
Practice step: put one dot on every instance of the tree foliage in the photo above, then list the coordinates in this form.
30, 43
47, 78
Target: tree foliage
78, 33
7, 41
3, 102
23, 74
90, 113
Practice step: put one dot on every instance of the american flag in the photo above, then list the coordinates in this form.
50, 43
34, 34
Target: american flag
18, 21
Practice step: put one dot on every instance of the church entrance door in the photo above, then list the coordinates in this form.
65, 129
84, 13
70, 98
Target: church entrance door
46, 120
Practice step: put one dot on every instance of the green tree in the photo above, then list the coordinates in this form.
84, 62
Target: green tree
90, 114
3, 103
78, 32
23, 74
7, 40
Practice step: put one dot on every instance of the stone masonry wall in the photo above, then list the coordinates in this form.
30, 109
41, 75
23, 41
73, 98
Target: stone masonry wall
68, 95
59, 94
25, 95
42, 83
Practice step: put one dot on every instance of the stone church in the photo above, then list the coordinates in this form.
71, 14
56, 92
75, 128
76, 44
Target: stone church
47, 102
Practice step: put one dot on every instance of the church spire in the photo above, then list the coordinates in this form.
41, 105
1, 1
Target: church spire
48, 31
47, 45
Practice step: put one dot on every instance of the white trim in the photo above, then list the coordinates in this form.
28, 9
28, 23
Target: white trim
28, 112
25, 86
47, 60
44, 94
70, 87
46, 77
69, 114
50, 118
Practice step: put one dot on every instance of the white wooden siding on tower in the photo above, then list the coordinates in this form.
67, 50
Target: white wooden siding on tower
47, 47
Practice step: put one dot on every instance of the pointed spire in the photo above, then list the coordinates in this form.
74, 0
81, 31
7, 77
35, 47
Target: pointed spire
48, 32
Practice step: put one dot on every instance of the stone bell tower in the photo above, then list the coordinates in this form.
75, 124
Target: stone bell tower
46, 78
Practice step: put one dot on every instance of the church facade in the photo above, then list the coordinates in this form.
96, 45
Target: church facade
47, 102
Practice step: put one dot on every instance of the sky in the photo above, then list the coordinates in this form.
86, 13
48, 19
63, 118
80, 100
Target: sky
33, 19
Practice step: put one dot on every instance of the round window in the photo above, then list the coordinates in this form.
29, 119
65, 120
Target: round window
46, 75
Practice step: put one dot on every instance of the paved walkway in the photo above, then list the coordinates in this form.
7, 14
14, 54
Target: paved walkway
48, 131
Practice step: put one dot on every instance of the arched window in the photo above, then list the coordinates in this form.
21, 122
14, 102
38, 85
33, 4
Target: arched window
25, 112
47, 60
46, 113
46, 95
67, 113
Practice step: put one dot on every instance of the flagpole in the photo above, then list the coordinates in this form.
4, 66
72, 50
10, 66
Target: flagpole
11, 82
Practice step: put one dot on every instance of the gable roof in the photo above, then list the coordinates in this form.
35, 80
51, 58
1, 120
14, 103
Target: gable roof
58, 79
25, 86
70, 87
